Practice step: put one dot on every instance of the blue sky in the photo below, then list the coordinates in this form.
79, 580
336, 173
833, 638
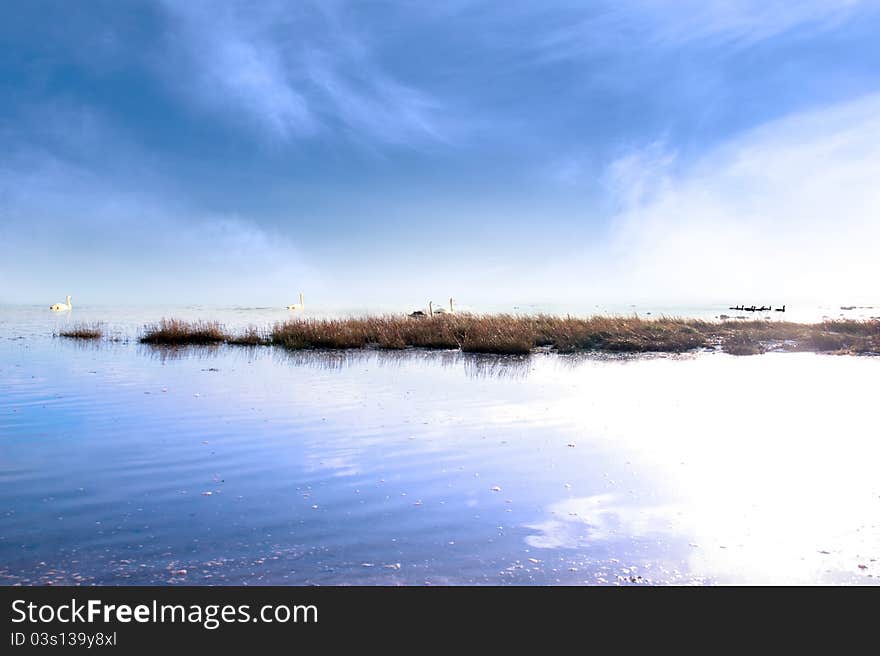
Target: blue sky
628, 151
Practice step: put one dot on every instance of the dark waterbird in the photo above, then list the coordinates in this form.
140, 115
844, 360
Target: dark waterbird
755, 308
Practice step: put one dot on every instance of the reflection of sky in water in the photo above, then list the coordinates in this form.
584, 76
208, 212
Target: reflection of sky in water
433, 467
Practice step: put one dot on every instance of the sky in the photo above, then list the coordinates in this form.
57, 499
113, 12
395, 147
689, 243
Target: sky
384, 153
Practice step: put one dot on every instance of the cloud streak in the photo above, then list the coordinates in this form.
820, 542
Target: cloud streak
294, 71
456, 147
785, 211
652, 24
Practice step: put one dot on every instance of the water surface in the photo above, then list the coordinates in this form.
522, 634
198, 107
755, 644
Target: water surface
125, 464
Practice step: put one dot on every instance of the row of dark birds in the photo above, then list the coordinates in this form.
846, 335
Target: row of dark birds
755, 308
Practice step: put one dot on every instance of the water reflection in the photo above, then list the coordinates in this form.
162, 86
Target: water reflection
164, 353
475, 365
586, 521
132, 464
513, 367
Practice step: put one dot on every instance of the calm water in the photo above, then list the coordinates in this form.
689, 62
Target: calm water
123, 464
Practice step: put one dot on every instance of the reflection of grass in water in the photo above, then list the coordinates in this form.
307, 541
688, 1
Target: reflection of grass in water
168, 353
577, 359
338, 359
475, 365
511, 367
505, 334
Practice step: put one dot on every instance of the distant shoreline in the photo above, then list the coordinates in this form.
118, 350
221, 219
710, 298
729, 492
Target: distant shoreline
517, 334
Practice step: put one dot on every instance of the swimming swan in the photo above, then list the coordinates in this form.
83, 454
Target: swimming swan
298, 306
60, 307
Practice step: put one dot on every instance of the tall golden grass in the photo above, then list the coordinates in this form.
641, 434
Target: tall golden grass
516, 334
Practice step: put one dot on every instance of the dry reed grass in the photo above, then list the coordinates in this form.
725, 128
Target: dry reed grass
178, 331
252, 336
83, 331
515, 334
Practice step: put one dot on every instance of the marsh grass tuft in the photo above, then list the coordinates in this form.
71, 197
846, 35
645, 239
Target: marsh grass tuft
517, 334
251, 336
83, 331
177, 331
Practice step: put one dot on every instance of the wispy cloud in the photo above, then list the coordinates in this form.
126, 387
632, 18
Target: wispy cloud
787, 210
638, 24
535, 98
294, 70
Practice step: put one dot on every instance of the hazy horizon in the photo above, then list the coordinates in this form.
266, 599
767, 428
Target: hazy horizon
390, 153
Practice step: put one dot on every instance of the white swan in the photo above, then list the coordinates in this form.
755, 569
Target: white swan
60, 307
441, 310
298, 306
